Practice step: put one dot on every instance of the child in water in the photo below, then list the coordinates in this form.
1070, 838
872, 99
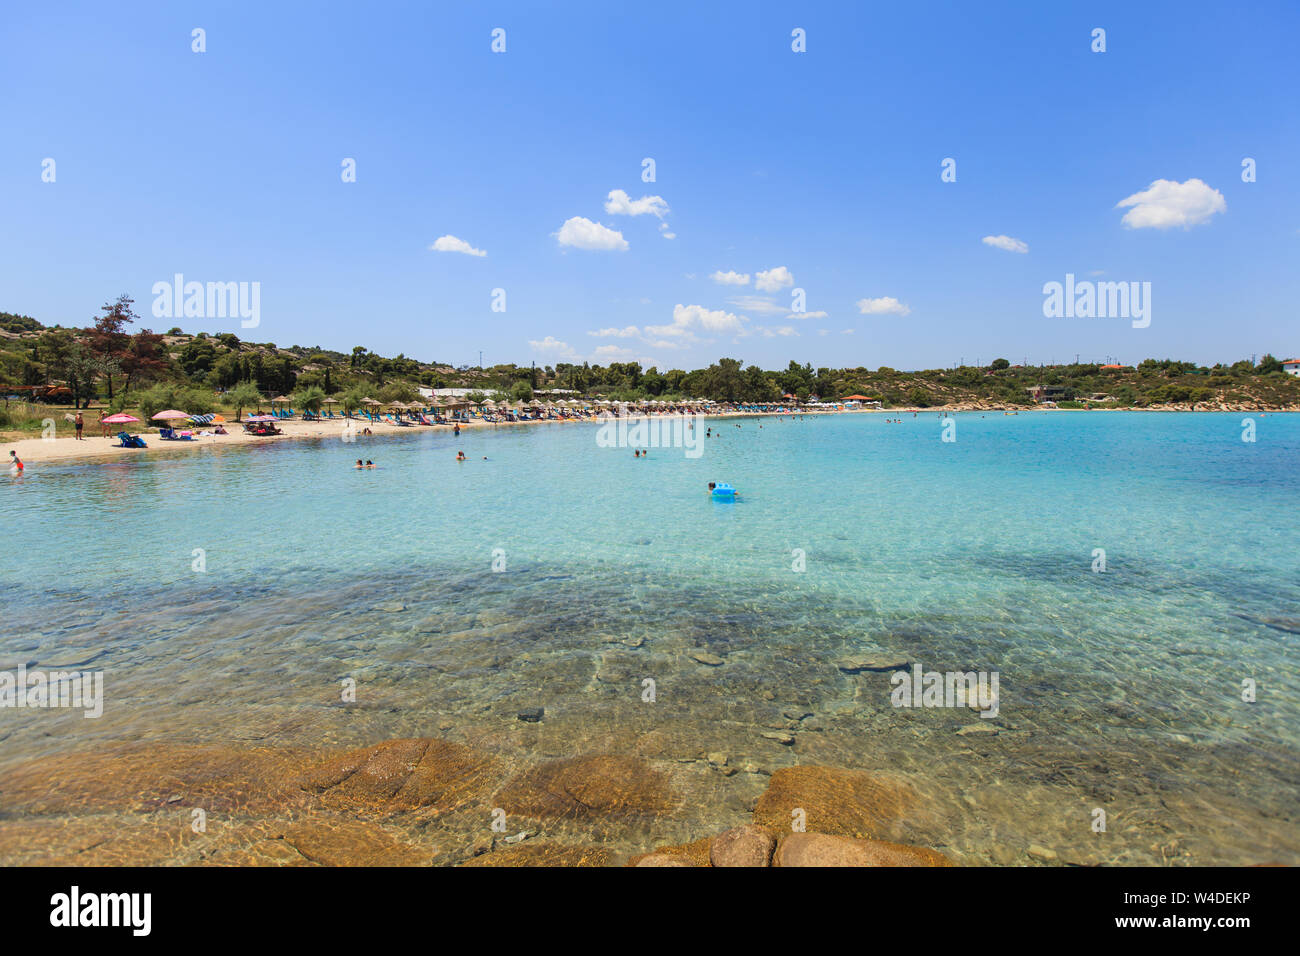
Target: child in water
15, 463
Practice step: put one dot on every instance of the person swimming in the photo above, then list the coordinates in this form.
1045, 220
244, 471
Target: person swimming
369, 463
460, 456
358, 464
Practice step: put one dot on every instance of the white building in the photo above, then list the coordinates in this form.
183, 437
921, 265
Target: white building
1291, 366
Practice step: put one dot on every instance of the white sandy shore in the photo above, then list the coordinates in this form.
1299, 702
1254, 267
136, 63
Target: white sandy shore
68, 448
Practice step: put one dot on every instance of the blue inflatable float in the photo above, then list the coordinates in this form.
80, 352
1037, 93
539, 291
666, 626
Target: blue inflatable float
722, 491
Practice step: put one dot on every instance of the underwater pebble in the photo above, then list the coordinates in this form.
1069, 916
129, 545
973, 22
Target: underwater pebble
704, 657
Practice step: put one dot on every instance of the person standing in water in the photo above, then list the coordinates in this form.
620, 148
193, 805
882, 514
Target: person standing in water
15, 463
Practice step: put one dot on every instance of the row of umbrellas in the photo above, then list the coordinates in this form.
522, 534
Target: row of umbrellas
172, 414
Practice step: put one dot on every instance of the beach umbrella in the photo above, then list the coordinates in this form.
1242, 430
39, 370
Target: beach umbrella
370, 401
330, 401
170, 414
121, 418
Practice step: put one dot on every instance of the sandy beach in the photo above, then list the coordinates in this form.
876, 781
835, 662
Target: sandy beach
68, 448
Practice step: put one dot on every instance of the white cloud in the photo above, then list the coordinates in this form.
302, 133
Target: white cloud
846, 331
552, 344
687, 319
785, 330
630, 332
885, 305
1167, 204
613, 353
452, 244
620, 203
1007, 243
667, 233
584, 234
758, 303
809, 315
730, 278
773, 280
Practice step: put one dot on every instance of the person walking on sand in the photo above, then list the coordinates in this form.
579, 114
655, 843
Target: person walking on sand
80, 423
103, 426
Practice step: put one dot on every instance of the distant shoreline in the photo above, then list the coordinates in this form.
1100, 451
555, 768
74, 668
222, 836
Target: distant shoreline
94, 448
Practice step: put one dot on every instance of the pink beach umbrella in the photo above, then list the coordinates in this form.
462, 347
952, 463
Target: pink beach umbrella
170, 415
121, 418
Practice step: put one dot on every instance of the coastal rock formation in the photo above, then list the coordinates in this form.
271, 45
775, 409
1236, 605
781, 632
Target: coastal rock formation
402, 775
147, 777
841, 802
545, 854
599, 785
824, 849
685, 854
750, 845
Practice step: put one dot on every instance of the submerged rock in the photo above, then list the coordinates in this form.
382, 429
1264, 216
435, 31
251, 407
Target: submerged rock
1041, 853
402, 775
545, 854
824, 849
532, 714
834, 801
704, 657
750, 845
690, 854
599, 785
661, 859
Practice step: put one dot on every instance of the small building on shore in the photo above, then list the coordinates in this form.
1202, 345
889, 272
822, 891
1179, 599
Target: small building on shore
1291, 366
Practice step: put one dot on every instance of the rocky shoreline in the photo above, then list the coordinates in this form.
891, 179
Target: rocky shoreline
422, 802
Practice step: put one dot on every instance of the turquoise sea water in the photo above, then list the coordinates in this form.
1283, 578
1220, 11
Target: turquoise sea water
1119, 691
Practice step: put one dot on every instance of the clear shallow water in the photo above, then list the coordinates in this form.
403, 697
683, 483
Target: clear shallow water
1118, 690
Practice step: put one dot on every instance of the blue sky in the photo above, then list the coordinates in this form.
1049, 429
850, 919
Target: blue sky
821, 168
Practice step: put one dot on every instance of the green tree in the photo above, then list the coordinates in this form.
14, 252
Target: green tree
244, 395
310, 399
